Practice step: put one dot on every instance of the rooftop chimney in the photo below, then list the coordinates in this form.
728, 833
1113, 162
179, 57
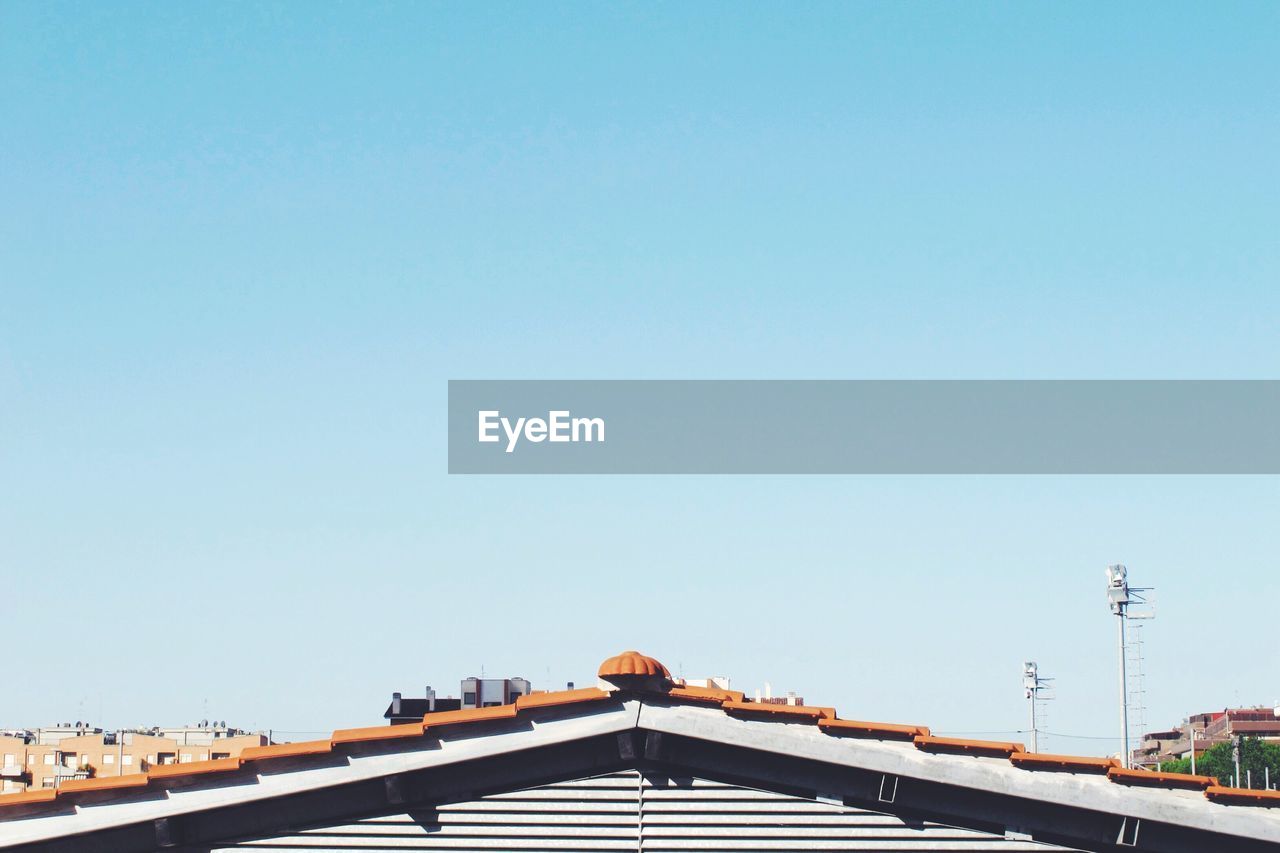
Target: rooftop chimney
395, 704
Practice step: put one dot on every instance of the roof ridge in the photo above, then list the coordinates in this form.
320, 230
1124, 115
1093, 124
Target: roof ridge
730, 702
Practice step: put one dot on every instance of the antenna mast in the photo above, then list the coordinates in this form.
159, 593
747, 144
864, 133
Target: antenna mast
1120, 597
1033, 684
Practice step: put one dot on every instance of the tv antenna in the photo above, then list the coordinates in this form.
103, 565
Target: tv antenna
1037, 689
1128, 603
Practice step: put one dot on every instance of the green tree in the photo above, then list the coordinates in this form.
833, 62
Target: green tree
1256, 758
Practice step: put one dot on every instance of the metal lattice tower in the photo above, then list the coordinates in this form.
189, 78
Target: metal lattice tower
1037, 690
1137, 676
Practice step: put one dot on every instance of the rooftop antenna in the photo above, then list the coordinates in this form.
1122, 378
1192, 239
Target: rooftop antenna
1035, 685
1121, 597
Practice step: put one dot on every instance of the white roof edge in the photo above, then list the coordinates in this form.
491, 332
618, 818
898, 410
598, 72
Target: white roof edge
996, 775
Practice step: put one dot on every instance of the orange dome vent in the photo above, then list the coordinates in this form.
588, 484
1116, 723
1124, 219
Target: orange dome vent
633, 664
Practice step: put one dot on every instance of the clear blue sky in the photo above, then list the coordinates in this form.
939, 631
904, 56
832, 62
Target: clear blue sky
243, 247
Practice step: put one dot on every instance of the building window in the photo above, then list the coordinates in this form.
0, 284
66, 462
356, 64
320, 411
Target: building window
84, 760
48, 758
108, 758
46, 782
126, 760
469, 699
218, 755
167, 758
184, 758
9, 758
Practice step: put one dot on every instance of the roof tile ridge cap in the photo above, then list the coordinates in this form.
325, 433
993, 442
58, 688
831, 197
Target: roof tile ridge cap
632, 663
1241, 793
817, 712
870, 725
1025, 757
375, 733
469, 715
22, 798
270, 751
196, 768
103, 783
1160, 779
561, 697
1062, 756
1010, 747
709, 694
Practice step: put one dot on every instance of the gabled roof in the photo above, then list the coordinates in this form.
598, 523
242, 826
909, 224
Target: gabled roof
638, 718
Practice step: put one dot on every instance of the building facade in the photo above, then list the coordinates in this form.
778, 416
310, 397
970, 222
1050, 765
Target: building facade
1208, 730
48, 757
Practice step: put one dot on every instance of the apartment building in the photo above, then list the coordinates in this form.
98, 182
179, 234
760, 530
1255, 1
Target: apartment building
47, 757
474, 693
1209, 729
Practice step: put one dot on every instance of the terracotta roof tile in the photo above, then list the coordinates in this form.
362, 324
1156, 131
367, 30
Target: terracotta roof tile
1159, 780
561, 697
286, 750
710, 695
104, 783
1063, 763
1000, 749
195, 768
37, 795
469, 715
880, 731
807, 712
1242, 796
376, 733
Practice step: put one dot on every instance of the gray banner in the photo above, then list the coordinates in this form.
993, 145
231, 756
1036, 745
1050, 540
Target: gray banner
864, 427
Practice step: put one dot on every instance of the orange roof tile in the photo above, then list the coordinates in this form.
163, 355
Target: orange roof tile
710, 695
195, 768
286, 750
807, 712
469, 715
1242, 796
560, 697
1159, 780
1065, 763
881, 731
375, 733
104, 783
22, 798
632, 663
1001, 749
